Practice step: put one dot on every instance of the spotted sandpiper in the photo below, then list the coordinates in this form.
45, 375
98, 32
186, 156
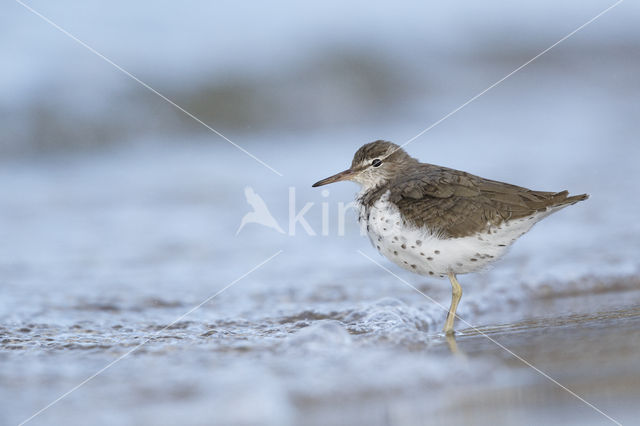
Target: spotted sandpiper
437, 221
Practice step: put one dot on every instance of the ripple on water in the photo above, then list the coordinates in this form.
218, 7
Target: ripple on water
320, 336
391, 316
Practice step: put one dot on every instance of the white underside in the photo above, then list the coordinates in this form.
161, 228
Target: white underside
423, 252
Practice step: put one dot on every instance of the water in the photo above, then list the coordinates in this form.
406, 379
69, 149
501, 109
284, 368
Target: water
128, 258
102, 251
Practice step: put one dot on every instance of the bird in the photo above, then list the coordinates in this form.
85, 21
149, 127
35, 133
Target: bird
260, 213
438, 221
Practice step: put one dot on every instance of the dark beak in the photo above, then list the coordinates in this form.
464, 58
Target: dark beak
345, 175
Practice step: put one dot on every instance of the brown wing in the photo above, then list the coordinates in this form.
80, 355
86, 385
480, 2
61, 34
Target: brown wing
455, 204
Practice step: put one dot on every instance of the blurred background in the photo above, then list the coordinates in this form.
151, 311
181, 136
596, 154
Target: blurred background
284, 68
118, 212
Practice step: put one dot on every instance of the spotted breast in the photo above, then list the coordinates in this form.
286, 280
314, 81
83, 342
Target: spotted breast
427, 252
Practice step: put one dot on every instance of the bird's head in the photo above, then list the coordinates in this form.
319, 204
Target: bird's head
373, 164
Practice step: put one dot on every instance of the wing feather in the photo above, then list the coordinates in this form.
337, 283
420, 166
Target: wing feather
456, 204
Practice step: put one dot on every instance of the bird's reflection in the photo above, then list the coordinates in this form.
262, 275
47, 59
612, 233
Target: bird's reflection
453, 346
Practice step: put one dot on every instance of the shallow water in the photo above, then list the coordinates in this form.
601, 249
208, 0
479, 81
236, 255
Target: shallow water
127, 298
106, 251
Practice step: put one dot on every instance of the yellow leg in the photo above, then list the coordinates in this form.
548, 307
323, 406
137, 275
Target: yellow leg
456, 294
453, 346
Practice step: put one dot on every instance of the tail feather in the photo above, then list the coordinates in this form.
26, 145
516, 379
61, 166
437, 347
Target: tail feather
562, 198
541, 201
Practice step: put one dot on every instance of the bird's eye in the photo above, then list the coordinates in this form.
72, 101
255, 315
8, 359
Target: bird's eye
376, 163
